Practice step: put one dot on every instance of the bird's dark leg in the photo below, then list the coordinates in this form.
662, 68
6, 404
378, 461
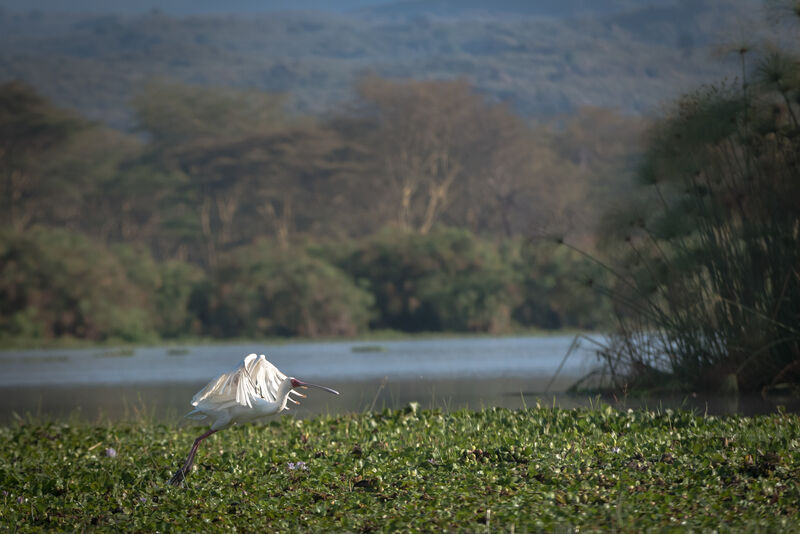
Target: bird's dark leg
181, 473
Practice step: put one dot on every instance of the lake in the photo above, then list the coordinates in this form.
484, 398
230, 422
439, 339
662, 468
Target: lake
452, 373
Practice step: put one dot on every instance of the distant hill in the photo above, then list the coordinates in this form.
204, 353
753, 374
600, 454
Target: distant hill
545, 8
552, 8
184, 7
542, 57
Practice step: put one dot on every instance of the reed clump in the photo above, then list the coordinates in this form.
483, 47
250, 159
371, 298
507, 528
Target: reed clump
707, 250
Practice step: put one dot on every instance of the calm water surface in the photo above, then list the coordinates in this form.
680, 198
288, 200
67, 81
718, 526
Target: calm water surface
109, 384
342, 361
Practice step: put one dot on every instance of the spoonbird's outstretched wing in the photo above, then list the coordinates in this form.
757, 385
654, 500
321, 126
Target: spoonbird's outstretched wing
254, 378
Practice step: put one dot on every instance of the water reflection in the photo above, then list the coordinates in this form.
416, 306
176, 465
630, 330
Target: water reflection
168, 402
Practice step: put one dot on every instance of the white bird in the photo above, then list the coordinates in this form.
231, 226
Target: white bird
253, 390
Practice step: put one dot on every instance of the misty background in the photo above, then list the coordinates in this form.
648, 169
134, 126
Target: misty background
182, 172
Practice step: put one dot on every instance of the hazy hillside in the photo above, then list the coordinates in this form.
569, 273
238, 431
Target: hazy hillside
548, 8
622, 53
185, 7
395, 7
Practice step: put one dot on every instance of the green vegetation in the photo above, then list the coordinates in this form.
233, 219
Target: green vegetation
448, 280
234, 219
494, 470
263, 291
116, 353
368, 348
228, 217
57, 283
707, 246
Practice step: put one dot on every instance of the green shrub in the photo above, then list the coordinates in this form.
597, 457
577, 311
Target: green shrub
259, 290
557, 285
169, 288
446, 280
56, 283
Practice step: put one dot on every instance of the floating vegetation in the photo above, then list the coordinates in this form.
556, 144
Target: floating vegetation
55, 358
368, 348
178, 351
413, 470
116, 353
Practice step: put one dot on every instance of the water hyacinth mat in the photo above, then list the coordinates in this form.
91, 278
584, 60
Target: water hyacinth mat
495, 470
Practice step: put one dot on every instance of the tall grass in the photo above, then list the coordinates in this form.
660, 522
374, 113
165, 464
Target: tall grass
707, 250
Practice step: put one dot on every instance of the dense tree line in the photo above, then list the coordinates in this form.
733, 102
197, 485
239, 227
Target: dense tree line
56, 283
224, 215
210, 169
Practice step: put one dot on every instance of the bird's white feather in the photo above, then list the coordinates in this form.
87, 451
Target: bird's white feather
254, 378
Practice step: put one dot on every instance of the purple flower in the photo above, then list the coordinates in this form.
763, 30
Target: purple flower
298, 465
20, 499
111, 453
